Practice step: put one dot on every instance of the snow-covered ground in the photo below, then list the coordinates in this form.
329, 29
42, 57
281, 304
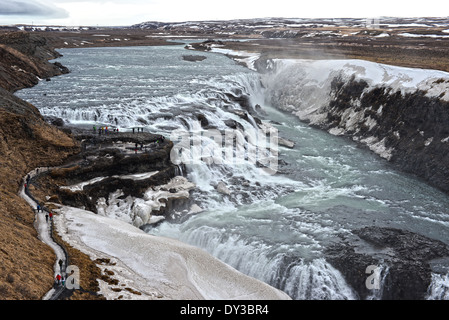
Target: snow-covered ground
156, 267
414, 35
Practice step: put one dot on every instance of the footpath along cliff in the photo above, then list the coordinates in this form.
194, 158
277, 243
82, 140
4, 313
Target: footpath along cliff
26, 142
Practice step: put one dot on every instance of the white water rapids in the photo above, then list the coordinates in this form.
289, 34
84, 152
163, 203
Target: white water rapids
273, 227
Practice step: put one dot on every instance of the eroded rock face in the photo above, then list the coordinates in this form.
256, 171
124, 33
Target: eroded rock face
400, 114
402, 258
408, 129
126, 176
108, 161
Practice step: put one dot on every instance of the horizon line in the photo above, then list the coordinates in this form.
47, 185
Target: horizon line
223, 20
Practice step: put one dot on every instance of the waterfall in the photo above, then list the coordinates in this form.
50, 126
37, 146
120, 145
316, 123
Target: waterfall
270, 225
179, 170
312, 280
439, 287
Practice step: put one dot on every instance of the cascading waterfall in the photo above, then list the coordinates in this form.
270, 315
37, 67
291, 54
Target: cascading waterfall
439, 288
270, 226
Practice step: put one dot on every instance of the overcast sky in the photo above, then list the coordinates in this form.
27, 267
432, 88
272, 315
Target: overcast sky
128, 12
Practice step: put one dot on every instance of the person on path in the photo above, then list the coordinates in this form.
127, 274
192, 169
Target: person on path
58, 278
38, 208
46, 217
60, 264
51, 216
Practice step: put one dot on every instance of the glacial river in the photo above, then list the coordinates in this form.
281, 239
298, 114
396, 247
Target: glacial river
272, 226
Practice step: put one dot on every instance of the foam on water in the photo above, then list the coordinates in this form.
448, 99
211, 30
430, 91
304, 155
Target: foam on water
270, 226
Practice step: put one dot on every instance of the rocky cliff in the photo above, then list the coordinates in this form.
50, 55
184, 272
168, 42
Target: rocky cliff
399, 113
398, 262
26, 142
113, 168
24, 60
410, 130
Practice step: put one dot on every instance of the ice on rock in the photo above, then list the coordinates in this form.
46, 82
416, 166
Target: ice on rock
138, 211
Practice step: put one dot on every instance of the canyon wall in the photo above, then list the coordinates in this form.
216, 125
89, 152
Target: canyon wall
401, 114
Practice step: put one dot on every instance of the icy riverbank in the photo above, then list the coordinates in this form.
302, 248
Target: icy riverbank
155, 267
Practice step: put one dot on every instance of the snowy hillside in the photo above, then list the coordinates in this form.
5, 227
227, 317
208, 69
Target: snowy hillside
291, 27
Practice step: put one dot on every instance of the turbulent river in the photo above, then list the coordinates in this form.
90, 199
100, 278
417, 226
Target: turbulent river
273, 227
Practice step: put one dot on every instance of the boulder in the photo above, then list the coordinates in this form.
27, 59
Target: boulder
403, 256
222, 188
203, 120
193, 58
286, 143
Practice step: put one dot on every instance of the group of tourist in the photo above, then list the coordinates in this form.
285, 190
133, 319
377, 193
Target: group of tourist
105, 130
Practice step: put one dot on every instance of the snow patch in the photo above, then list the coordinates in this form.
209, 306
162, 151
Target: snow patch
244, 57
428, 141
80, 186
414, 35
378, 147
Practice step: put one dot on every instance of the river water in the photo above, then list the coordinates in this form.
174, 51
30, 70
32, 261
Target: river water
272, 225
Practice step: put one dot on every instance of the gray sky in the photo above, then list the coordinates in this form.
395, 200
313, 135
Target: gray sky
128, 12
